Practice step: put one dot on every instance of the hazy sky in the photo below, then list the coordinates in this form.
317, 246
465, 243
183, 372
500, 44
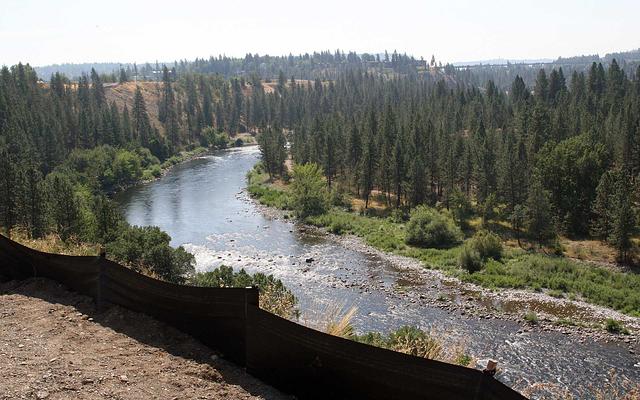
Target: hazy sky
56, 31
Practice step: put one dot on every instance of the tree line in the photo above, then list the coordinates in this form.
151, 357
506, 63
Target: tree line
562, 156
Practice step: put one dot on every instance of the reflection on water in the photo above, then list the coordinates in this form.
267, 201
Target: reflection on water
203, 206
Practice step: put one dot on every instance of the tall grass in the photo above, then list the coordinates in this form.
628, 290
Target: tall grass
416, 342
337, 322
617, 290
407, 339
259, 188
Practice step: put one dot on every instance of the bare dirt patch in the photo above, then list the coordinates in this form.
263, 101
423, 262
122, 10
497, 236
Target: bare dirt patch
54, 345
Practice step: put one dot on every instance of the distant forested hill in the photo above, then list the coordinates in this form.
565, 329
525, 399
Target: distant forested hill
74, 71
323, 65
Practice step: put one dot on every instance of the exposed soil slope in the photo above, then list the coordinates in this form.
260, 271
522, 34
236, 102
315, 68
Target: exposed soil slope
54, 345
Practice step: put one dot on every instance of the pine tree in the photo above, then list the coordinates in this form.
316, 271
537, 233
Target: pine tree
97, 88
354, 154
126, 125
367, 166
623, 219
10, 190
539, 218
602, 225
167, 113
35, 206
141, 131
398, 168
542, 87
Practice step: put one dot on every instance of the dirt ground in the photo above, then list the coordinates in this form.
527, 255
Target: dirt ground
54, 345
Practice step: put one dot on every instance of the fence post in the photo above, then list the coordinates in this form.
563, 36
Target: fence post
255, 302
101, 267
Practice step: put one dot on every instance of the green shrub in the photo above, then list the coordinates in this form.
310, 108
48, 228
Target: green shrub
214, 138
614, 326
146, 158
487, 209
340, 199
156, 171
460, 207
309, 191
531, 317
151, 173
487, 244
274, 295
470, 259
398, 216
339, 227
429, 228
147, 250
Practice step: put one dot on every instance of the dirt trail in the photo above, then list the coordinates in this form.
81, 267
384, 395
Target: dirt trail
53, 345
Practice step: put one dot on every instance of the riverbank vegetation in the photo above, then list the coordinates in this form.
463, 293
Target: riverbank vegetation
66, 147
482, 258
274, 296
425, 161
406, 339
416, 342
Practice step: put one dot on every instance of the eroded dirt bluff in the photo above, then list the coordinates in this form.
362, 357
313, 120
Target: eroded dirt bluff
54, 345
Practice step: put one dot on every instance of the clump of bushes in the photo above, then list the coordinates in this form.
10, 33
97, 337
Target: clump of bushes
398, 216
470, 259
482, 246
488, 244
340, 198
274, 295
340, 226
147, 250
213, 138
428, 227
615, 326
153, 172
531, 317
265, 193
414, 341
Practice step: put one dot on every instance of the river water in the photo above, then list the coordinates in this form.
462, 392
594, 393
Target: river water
202, 204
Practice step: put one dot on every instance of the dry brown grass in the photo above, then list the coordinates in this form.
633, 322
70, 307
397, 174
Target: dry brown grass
426, 347
337, 322
52, 243
592, 250
124, 93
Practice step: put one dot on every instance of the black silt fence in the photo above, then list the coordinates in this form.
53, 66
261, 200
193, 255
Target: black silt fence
289, 356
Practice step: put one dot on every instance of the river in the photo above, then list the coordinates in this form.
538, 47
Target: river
202, 204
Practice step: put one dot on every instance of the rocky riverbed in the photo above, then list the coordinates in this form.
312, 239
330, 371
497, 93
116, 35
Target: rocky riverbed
553, 314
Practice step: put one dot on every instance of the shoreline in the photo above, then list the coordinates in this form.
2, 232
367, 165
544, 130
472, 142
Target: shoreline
189, 156
469, 300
